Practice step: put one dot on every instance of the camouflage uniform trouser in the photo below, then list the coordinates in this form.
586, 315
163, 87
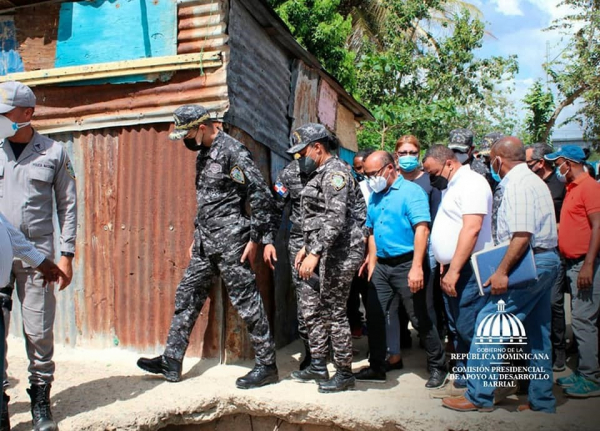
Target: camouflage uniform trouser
324, 309
243, 293
295, 244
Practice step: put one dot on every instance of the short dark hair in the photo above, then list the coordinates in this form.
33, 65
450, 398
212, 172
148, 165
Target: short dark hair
363, 154
540, 150
439, 152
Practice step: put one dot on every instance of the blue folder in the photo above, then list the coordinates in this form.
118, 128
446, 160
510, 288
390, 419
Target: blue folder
486, 261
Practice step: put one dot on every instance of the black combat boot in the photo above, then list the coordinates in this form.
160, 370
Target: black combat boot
341, 381
306, 361
40, 408
316, 371
168, 367
260, 375
4, 417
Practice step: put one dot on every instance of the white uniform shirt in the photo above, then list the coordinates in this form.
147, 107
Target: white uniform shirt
468, 193
526, 206
14, 244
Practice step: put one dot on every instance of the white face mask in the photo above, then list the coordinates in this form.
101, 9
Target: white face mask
378, 183
8, 128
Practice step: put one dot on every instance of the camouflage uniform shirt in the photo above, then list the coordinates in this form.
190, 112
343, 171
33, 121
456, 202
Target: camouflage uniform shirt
331, 207
227, 178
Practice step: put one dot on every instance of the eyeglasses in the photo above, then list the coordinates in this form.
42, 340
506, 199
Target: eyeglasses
374, 174
407, 153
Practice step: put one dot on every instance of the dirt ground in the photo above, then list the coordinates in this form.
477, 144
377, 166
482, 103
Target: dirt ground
104, 390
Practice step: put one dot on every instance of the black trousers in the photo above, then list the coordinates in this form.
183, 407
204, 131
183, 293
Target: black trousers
358, 289
388, 281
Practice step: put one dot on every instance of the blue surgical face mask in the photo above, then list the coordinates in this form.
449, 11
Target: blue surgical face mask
495, 174
561, 177
408, 163
8, 128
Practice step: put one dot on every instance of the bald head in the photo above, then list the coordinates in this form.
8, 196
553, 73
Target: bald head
509, 148
380, 157
381, 163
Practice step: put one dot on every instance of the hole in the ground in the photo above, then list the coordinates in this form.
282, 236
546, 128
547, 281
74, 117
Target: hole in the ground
244, 422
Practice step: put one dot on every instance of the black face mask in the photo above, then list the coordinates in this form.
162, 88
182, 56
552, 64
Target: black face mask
439, 181
307, 165
192, 145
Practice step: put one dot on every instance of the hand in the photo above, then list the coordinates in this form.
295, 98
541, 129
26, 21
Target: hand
50, 271
250, 253
66, 266
499, 283
449, 281
415, 278
364, 268
308, 266
191, 249
270, 255
299, 258
584, 279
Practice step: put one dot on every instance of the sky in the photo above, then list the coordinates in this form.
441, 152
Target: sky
517, 28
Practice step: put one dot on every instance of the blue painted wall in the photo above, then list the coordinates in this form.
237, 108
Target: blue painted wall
112, 30
347, 155
10, 60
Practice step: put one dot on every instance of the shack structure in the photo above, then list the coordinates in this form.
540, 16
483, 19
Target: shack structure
108, 75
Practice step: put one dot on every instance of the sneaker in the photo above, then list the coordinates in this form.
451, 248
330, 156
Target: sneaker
370, 374
437, 379
584, 388
560, 361
448, 391
260, 375
168, 367
567, 382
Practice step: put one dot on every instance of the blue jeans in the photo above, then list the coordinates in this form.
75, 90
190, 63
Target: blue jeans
462, 312
531, 305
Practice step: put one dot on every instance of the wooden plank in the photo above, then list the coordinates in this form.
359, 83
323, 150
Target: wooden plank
346, 128
118, 68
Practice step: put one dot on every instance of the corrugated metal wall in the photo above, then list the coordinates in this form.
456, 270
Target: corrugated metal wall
259, 81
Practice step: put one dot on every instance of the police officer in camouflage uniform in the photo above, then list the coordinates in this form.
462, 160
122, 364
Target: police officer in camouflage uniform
287, 188
225, 242
332, 223
35, 172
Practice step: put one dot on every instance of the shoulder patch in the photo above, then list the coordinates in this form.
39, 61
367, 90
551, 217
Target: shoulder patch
280, 189
338, 181
237, 175
69, 168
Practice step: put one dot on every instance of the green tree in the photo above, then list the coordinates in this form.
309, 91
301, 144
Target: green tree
576, 73
540, 106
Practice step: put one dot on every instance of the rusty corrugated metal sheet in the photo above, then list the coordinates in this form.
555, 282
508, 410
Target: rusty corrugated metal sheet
305, 85
327, 105
345, 128
202, 26
258, 80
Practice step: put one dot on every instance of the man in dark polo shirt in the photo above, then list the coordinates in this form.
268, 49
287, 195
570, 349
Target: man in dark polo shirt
534, 157
579, 243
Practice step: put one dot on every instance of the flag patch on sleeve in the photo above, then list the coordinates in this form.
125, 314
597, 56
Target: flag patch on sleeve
280, 189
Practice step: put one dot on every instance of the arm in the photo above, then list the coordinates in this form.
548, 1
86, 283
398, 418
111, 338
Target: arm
516, 248
22, 249
467, 238
586, 274
415, 275
281, 196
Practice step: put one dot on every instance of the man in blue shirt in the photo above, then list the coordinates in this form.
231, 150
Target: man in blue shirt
398, 221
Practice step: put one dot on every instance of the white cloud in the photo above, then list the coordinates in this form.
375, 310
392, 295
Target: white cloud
551, 7
508, 7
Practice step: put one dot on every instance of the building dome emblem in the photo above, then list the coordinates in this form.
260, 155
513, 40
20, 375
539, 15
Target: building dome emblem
501, 328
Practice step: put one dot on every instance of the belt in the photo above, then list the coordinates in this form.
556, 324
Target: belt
575, 261
538, 250
396, 260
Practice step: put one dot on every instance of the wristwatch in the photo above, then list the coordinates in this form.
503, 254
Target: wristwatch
67, 254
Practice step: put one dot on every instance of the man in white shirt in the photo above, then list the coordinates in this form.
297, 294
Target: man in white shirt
523, 215
14, 244
463, 225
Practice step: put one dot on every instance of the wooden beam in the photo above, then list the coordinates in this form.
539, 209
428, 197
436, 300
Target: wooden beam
141, 66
